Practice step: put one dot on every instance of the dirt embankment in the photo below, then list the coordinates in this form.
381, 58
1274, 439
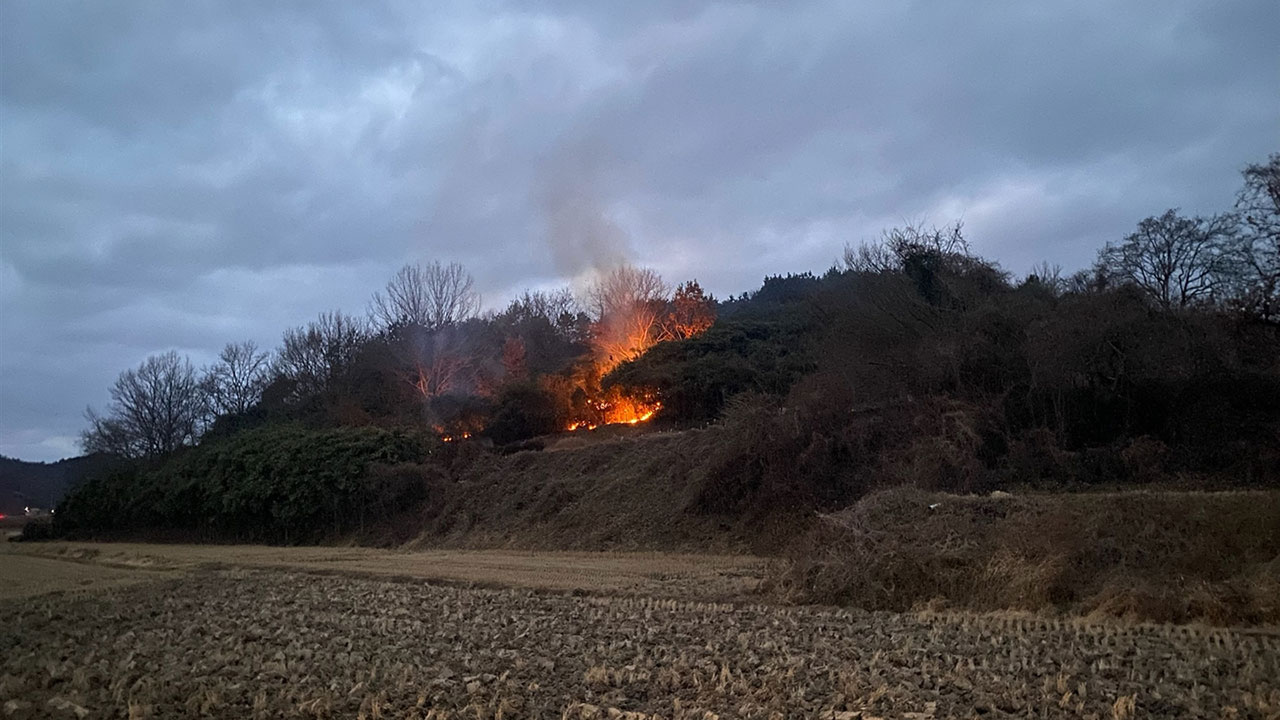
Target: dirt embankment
1162, 556
1152, 556
630, 492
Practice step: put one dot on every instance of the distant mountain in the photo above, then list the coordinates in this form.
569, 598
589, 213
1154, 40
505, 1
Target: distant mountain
39, 484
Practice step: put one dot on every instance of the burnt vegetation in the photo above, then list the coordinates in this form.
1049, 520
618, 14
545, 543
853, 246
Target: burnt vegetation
911, 362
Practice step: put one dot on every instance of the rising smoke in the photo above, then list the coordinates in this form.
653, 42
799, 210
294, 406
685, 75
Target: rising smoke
585, 240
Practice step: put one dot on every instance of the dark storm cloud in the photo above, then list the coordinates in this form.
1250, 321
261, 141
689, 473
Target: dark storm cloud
184, 175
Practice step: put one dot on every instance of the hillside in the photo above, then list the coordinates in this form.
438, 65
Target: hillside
1153, 555
629, 492
762, 482
35, 484
665, 422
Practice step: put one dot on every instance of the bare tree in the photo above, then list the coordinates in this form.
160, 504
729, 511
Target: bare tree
1257, 250
868, 257
551, 305
109, 436
627, 305
314, 355
235, 383
155, 409
1176, 261
1048, 276
1259, 200
897, 245
430, 296
622, 288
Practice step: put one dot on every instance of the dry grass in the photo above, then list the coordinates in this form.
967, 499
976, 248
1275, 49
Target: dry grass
23, 576
606, 490
273, 644
1157, 556
66, 565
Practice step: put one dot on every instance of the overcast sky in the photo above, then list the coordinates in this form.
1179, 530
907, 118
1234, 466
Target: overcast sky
182, 175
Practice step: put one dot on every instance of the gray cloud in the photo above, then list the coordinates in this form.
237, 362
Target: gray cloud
181, 176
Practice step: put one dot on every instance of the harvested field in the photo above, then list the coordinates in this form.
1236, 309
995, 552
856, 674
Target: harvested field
273, 643
703, 577
25, 575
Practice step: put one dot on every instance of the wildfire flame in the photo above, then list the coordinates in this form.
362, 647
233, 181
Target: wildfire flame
629, 310
616, 410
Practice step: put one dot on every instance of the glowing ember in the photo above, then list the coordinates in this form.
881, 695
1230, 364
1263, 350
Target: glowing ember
616, 411
454, 432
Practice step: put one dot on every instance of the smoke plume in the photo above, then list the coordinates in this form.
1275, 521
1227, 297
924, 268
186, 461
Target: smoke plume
585, 241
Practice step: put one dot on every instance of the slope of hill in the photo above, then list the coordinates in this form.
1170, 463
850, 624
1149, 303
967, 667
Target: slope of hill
35, 484
1146, 554
632, 491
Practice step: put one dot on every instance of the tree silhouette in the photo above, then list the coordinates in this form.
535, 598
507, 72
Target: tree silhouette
235, 383
1176, 261
155, 409
430, 296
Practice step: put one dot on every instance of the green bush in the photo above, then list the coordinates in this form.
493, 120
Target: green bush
288, 484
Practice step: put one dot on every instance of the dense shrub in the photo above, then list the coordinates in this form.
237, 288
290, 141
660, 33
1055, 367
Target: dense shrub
37, 529
287, 484
696, 377
913, 363
821, 450
525, 410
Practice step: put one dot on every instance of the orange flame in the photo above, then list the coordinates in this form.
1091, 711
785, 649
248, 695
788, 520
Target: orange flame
455, 432
634, 313
616, 410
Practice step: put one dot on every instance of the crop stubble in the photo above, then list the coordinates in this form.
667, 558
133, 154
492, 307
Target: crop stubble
275, 643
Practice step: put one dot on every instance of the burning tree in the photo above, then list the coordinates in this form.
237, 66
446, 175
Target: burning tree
444, 371
626, 305
632, 311
692, 312
513, 357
